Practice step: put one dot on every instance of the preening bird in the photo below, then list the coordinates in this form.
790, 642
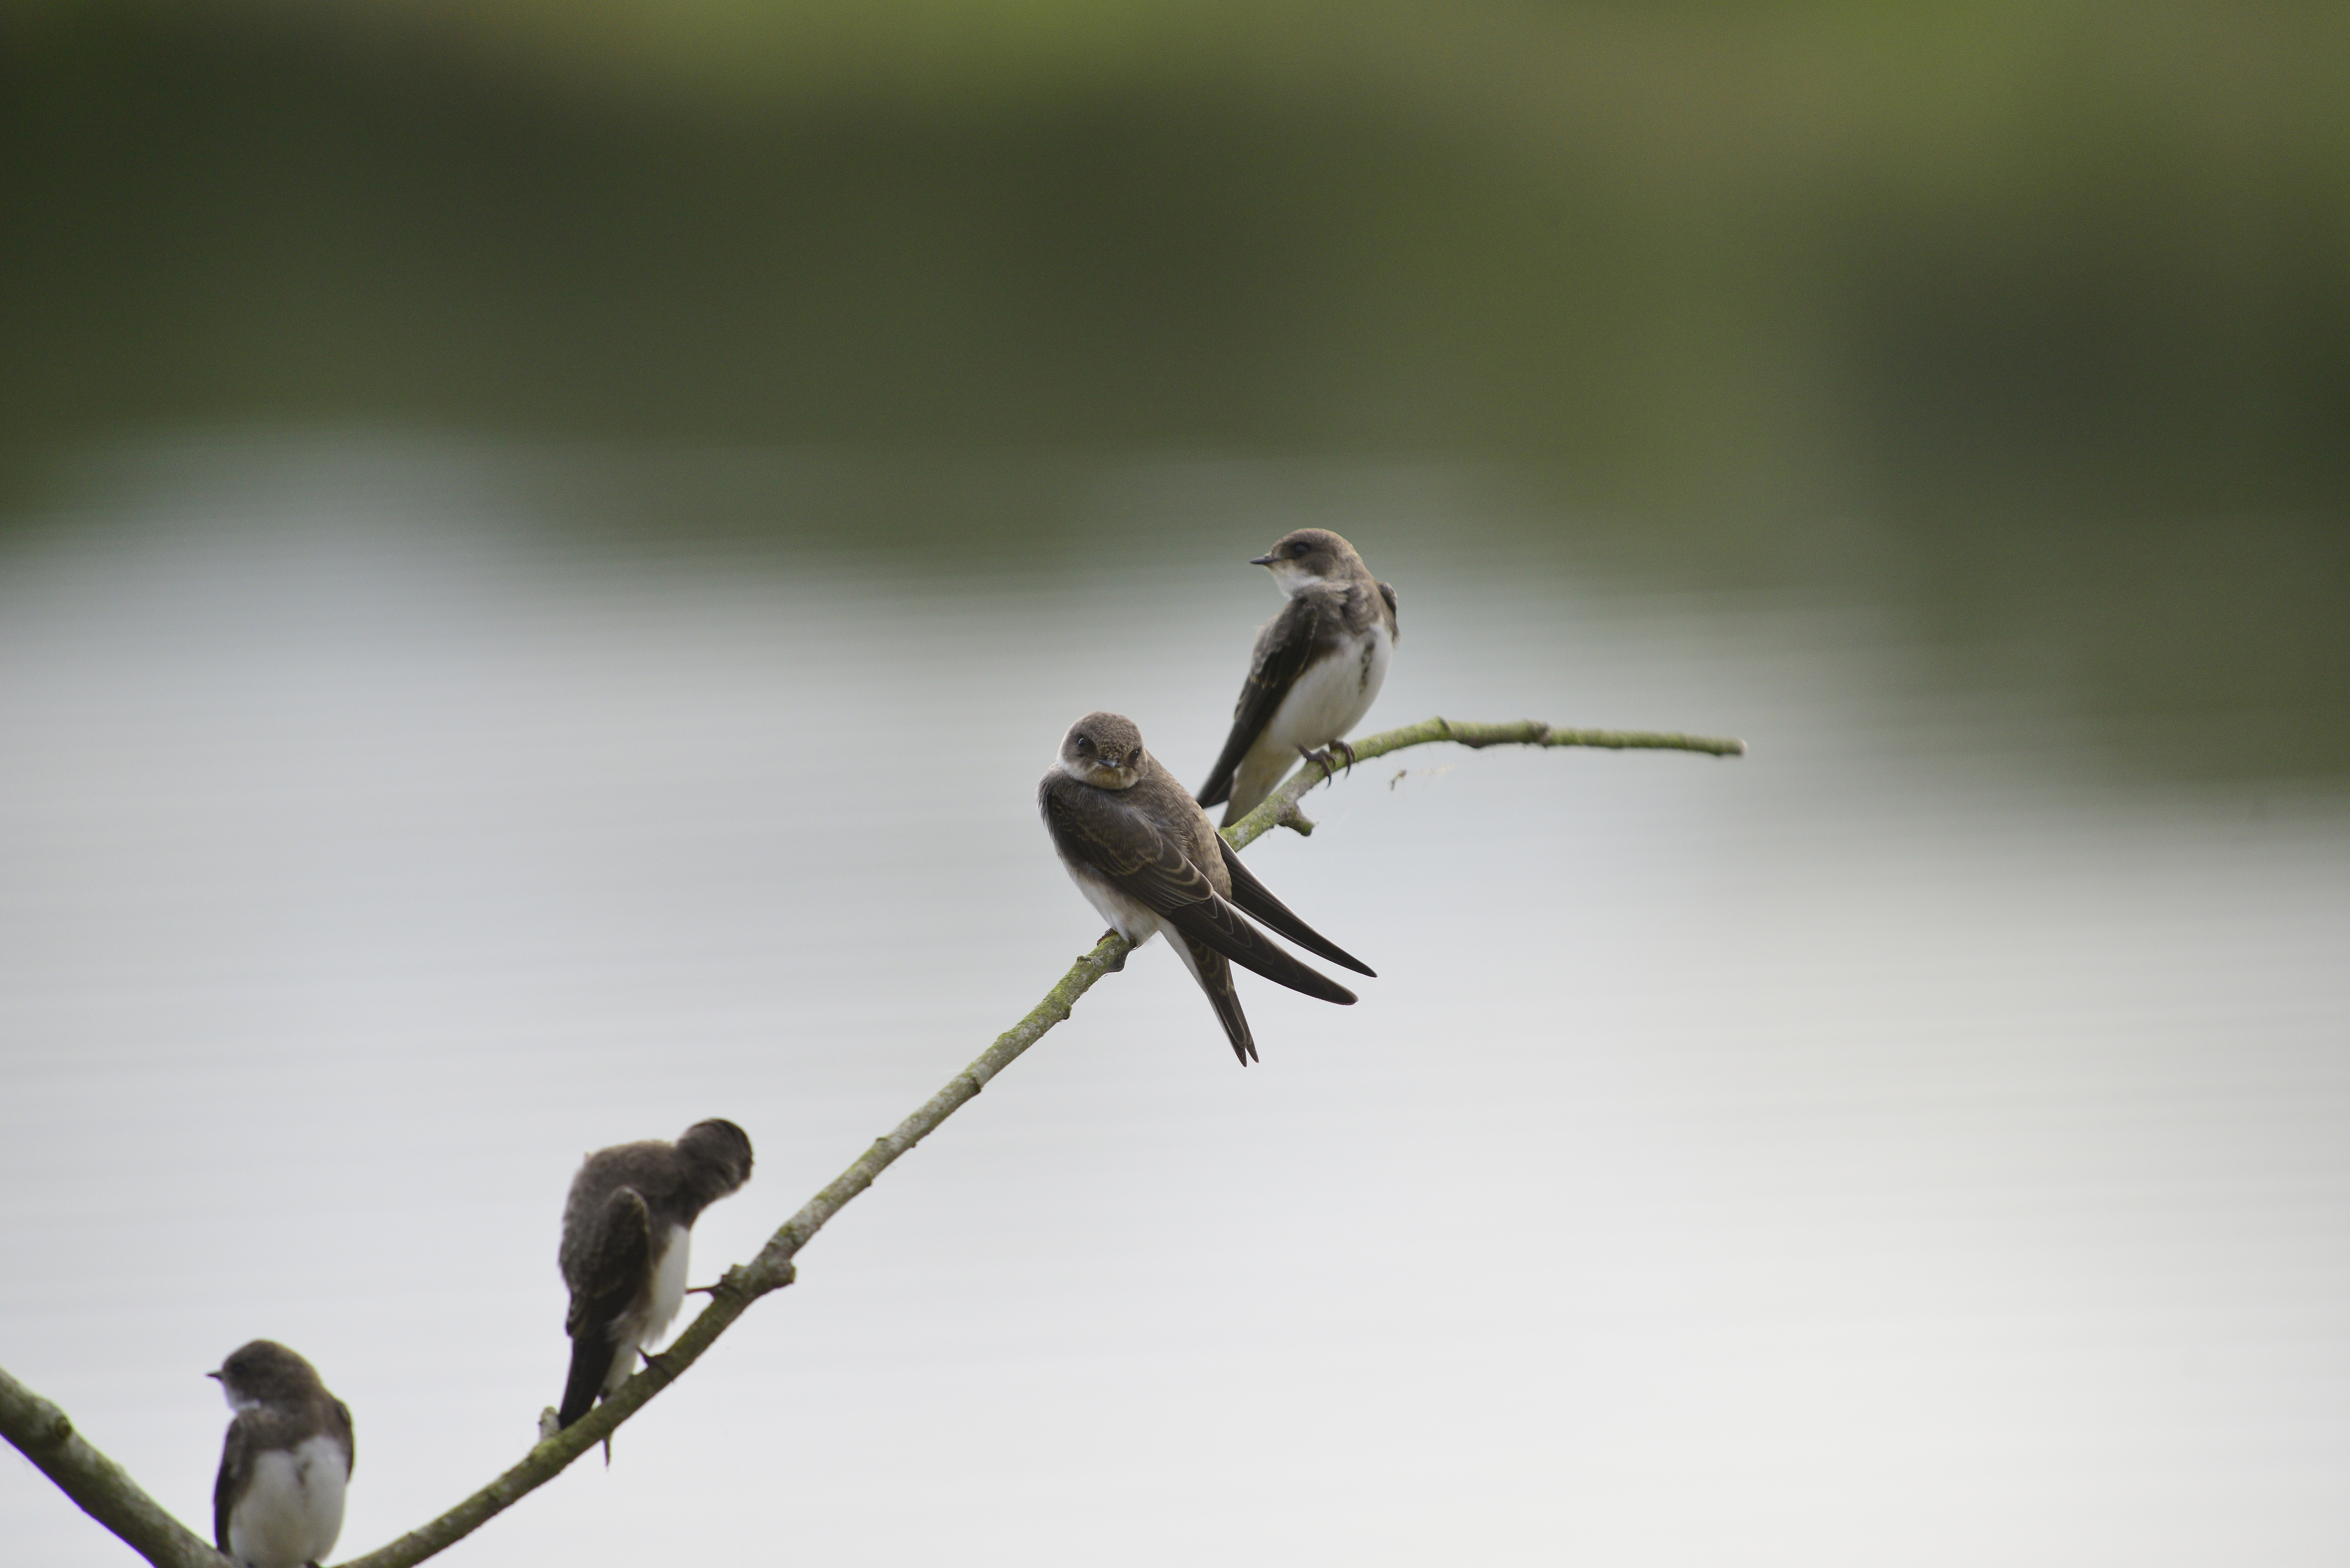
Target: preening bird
626, 1232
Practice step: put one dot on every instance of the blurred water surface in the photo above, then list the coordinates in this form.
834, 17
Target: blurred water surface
1922, 1141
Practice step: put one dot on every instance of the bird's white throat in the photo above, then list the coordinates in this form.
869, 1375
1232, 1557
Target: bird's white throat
1100, 777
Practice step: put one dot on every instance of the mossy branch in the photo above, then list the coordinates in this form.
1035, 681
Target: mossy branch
115, 1500
46, 1436
1279, 809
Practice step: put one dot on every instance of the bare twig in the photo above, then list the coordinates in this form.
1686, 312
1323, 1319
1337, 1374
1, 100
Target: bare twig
110, 1495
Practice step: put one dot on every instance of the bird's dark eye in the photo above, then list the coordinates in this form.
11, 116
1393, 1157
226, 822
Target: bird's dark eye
1084, 744
1299, 548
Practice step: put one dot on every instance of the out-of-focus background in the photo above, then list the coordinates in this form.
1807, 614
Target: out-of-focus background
542, 549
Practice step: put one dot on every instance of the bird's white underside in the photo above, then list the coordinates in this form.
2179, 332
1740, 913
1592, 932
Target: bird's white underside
1128, 919
641, 1327
1328, 700
292, 1509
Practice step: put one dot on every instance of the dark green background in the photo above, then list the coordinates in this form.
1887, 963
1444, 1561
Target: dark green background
2032, 323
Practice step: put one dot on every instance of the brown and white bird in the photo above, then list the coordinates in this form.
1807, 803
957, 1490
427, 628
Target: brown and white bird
1144, 853
278, 1500
1318, 666
627, 1229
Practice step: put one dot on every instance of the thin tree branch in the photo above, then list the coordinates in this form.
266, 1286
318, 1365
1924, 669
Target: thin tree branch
116, 1501
45, 1435
1279, 809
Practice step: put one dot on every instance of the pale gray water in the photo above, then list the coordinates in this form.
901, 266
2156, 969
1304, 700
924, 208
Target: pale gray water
1904, 1144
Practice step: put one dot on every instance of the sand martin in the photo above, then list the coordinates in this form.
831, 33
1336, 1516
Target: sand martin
1142, 852
278, 1503
626, 1231
1317, 667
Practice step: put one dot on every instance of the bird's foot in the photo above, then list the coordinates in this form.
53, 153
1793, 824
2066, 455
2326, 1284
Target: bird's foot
1326, 759
1117, 964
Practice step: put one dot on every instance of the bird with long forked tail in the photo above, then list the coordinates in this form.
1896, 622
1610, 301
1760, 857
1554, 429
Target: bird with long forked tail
1144, 853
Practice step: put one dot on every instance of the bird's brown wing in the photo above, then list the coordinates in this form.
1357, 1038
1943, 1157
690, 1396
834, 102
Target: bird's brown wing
1283, 649
1132, 854
607, 1250
235, 1456
605, 1261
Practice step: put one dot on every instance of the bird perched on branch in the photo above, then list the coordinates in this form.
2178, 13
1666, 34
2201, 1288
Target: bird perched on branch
1143, 853
1317, 667
278, 1502
627, 1228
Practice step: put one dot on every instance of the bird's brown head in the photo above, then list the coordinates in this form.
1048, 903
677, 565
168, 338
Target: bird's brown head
720, 1153
265, 1373
1305, 557
1104, 749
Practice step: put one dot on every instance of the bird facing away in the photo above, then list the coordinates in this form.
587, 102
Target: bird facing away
278, 1503
626, 1231
1142, 852
1317, 667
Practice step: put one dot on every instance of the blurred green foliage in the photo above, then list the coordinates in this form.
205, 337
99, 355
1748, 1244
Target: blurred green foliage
2053, 298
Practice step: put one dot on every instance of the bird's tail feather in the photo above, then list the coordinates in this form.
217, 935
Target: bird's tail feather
1220, 929
1255, 899
591, 1363
1215, 977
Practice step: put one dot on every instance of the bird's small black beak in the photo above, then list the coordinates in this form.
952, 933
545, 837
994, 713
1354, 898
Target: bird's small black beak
1260, 560
213, 1375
